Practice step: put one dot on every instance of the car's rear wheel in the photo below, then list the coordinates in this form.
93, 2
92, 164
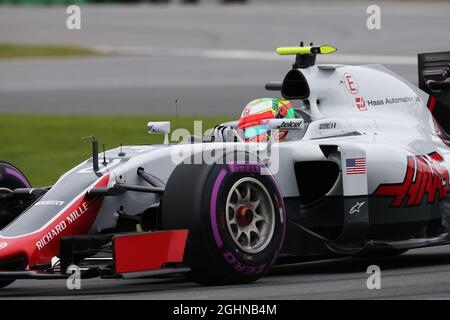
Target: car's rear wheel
235, 217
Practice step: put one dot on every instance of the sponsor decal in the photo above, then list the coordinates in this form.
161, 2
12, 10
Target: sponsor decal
374, 103
424, 178
3, 245
49, 203
61, 226
350, 83
290, 124
244, 269
402, 99
328, 125
392, 100
361, 104
355, 166
356, 207
246, 112
240, 168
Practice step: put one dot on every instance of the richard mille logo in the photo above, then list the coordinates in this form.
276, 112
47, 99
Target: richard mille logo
356, 207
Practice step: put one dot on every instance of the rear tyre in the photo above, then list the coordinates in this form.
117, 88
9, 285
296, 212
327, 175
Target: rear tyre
235, 216
11, 178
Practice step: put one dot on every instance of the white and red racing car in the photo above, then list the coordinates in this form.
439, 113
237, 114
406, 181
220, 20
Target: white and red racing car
364, 171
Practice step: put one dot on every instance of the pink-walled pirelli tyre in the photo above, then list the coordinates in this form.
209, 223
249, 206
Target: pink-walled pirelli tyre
11, 178
235, 216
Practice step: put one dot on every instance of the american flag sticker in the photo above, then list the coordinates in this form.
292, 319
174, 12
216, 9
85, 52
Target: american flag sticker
355, 166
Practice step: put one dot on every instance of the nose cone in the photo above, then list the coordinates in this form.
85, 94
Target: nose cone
11, 250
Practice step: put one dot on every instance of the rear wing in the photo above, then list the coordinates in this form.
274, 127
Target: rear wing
434, 73
434, 79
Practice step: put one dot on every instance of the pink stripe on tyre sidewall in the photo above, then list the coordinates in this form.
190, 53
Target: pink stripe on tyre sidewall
213, 206
17, 175
284, 216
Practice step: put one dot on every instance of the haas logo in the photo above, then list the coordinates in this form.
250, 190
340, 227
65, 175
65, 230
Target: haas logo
424, 178
361, 104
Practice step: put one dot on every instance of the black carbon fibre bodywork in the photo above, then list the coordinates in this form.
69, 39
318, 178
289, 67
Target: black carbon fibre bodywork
316, 229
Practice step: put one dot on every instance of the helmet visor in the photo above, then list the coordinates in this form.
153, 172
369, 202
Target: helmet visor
255, 131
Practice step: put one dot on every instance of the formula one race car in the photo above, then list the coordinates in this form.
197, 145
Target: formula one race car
363, 171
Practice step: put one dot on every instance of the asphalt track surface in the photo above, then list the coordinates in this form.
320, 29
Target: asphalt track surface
213, 60
418, 274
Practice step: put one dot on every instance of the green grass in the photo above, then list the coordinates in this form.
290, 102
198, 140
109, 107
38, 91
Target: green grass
9, 51
45, 146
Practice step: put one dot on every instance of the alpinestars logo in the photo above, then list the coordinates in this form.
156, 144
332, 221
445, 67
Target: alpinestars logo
424, 178
356, 207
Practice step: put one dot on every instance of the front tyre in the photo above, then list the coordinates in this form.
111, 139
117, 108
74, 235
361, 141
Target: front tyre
235, 216
11, 178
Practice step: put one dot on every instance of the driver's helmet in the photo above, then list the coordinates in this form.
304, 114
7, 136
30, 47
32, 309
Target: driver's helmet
251, 121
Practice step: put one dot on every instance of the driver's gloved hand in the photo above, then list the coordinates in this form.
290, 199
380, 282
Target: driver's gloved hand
223, 133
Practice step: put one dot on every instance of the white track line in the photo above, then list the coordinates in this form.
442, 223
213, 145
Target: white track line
255, 55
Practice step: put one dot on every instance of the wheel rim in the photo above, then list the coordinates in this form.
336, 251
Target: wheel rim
250, 215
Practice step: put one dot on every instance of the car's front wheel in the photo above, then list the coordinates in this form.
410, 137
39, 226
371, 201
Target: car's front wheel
235, 217
11, 178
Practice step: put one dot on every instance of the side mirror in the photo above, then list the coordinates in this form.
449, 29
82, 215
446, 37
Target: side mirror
160, 127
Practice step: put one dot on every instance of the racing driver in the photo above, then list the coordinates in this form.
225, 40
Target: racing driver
251, 127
